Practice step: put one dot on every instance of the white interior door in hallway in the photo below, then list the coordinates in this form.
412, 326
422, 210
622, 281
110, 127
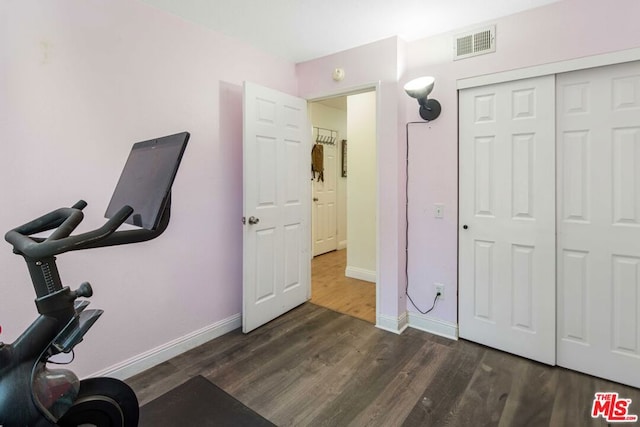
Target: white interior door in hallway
507, 217
324, 208
598, 149
276, 246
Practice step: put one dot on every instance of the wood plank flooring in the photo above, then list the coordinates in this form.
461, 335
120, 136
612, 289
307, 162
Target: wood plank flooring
330, 288
317, 367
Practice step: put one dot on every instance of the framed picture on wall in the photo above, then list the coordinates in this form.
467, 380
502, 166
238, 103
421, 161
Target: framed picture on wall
344, 158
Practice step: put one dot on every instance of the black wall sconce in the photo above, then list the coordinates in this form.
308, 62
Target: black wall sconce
420, 89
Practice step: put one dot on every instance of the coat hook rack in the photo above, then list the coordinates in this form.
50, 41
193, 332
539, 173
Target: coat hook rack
325, 136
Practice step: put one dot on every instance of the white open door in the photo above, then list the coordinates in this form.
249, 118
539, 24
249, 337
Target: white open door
507, 217
277, 193
325, 212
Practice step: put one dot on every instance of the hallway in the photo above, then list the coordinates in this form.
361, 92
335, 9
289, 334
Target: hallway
330, 288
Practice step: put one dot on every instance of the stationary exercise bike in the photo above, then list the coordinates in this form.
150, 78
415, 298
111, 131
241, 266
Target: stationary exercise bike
31, 393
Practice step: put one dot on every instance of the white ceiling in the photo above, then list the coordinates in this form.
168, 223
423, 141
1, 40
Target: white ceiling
299, 30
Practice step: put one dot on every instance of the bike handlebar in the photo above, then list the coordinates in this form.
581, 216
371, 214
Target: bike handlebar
65, 220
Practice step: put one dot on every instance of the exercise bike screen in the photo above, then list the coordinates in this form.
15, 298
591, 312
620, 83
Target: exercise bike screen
146, 180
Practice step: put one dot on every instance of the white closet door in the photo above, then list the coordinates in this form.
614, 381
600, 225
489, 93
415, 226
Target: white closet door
598, 151
507, 217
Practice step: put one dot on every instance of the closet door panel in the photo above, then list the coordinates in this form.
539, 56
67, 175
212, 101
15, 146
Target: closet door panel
507, 217
598, 199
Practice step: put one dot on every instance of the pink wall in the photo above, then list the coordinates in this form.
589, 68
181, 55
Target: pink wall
367, 66
81, 81
85, 80
564, 30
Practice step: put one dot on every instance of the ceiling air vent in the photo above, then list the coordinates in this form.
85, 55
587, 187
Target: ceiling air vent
476, 42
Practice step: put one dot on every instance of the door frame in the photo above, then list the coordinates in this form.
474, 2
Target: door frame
354, 90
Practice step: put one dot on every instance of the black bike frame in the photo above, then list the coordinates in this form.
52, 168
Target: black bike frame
63, 321
30, 394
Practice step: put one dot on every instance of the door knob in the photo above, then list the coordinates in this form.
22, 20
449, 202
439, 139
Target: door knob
464, 226
315, 199
253, 220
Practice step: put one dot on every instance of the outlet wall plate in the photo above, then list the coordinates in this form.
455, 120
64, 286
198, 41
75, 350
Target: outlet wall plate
439, 287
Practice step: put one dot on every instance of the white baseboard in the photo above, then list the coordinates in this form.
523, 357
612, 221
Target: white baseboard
360, 274
397, 325
153, 357
342, 245
433, 326
160, 354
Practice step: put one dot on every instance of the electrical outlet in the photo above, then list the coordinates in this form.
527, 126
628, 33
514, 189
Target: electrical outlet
439, 287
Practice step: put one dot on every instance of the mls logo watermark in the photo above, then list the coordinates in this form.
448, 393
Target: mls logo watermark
612, 408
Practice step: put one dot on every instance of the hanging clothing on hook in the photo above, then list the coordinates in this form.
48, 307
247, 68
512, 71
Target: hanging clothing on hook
317, 162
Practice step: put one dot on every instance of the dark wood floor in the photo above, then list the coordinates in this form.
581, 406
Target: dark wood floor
317, 367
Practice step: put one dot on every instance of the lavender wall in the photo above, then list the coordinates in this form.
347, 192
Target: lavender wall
371, 65
564, 30
81, 81
85, 80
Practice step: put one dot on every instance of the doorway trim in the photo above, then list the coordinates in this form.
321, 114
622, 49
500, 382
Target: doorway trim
353, 90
